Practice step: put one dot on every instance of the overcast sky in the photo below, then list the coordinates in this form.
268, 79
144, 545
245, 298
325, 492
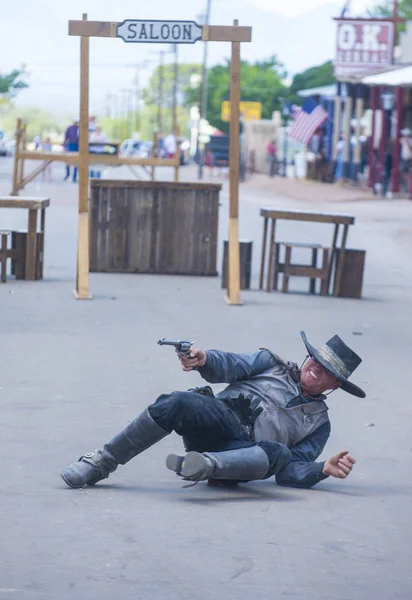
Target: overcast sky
300, 32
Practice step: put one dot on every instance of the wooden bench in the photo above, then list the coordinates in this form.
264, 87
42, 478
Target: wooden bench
335, 263
297, 270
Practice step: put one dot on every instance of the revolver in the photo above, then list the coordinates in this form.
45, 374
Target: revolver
181, 346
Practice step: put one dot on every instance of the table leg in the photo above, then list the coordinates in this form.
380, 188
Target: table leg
333, 253
324, 282
288, 258
3, 259
31, 244
312, 285
262, 260
41, 245
340, 263
277, 266
271, 252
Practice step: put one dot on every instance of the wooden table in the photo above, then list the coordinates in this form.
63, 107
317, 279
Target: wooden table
335, 219
33, 205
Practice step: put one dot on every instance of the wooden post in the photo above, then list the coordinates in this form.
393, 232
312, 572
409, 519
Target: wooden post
396, 168
347, 131
233, 288
381, 150
15, 190
177, 158
31, 246
336, 122
373, 101
82, 280
358, 116
23, 147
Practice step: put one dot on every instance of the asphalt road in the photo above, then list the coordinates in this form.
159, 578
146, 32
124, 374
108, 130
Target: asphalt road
74, 373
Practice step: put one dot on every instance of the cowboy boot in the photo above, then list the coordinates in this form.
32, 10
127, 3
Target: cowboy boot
139, 435
243, 464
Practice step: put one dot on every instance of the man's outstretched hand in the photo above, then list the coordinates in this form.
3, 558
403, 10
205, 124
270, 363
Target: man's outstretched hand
197, 358
339, 465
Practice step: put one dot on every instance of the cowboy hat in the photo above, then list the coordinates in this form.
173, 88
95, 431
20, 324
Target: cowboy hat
339, 360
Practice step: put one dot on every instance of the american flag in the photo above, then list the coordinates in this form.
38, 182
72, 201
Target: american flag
307, 120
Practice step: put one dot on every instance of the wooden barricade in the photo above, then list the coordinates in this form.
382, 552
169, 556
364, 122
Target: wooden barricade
153, 227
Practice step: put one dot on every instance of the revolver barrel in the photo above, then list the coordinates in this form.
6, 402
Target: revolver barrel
181, 346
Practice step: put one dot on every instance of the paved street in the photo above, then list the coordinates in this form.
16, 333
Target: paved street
74, 373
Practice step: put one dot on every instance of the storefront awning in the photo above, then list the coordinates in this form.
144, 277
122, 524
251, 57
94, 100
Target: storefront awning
326, 91
395, 77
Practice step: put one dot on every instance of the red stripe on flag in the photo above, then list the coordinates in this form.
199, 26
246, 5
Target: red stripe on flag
305, 124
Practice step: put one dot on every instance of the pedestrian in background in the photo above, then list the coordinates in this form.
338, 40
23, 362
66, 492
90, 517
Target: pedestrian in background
271, 157
340, 146
71, 144
97, 140
170, 145
406, 156
36, 141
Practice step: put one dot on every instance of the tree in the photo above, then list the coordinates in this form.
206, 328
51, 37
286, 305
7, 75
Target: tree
261, 81
38, 122
385, 9
11, 83
313, 77
185, 72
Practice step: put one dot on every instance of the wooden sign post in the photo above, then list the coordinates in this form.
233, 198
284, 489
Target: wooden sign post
159, 32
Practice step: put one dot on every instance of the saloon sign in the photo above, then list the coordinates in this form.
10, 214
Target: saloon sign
167, 32
362, 46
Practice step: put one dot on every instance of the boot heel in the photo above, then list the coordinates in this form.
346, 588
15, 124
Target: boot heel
174, 463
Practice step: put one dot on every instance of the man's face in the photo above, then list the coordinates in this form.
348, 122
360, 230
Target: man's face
315, 379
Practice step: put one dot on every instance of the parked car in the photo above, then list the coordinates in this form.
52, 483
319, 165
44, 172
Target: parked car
130, 147
145, 150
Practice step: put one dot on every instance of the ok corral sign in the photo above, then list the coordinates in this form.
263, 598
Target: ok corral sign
362, 46
168, 32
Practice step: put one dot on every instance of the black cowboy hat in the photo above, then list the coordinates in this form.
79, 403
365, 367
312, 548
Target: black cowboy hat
339, 360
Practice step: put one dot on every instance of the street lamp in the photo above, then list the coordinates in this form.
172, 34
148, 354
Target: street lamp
388, 100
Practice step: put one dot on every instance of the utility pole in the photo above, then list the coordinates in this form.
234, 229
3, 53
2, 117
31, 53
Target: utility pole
175, 78
129, 116
160, 91
137, 94
203, 92
108, 105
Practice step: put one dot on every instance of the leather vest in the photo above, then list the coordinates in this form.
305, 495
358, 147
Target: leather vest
275, 389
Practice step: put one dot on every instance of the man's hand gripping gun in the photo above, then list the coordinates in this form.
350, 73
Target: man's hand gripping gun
181, 346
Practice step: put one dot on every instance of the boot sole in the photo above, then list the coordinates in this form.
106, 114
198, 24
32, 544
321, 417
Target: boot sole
78, 487
67, 482
193, 465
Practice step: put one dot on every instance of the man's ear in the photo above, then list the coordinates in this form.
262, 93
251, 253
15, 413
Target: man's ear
337, 385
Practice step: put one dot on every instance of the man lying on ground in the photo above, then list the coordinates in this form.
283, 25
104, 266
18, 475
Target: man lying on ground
271, 420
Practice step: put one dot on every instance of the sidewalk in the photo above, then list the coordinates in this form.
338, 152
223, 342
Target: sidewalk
308, 190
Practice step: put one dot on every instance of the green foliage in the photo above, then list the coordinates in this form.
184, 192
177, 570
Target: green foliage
262, 82
11, 83
38, 122
385, 9
185, 72
145, 122
313, 77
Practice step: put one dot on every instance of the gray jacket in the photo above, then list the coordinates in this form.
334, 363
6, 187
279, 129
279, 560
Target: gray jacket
300, 423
